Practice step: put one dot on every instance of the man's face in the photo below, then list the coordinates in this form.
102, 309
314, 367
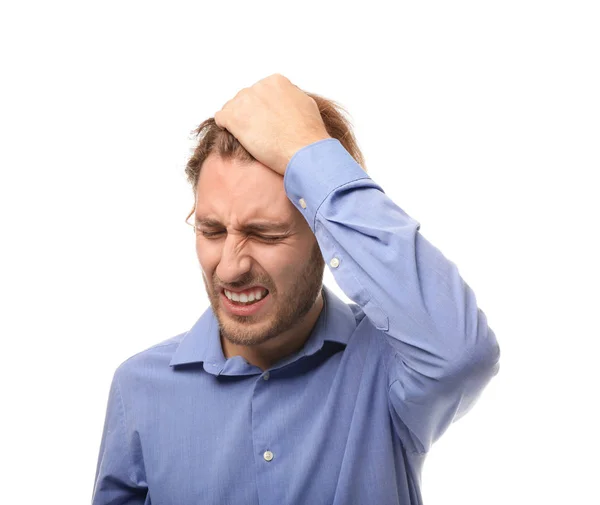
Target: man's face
286, 262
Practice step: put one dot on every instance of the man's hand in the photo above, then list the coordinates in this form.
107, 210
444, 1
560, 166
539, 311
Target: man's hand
273, 119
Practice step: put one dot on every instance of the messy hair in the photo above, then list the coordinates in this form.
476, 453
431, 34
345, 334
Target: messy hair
211, 138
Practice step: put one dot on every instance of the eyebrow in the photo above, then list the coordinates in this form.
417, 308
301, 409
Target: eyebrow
254, 226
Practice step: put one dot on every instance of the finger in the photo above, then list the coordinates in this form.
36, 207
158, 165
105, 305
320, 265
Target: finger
220, 119
223, 113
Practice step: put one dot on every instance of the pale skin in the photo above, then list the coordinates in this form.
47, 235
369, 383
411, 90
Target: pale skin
273, 119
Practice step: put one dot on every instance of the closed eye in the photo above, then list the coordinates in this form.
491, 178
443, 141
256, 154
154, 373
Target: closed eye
265, 238
211, 234
268, 239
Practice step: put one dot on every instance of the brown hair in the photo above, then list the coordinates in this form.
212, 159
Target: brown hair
214, 139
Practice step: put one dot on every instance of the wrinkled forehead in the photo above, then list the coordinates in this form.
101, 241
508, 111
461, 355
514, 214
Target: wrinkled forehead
245, 190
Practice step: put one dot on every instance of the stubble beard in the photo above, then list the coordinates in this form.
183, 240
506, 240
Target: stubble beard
288, 311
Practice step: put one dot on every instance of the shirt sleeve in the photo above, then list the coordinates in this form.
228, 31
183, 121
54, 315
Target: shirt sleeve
120, 478
441, 351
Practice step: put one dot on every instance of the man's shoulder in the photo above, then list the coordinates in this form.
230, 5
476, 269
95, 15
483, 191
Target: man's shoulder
156, 357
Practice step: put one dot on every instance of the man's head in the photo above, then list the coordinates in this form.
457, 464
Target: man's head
250, 237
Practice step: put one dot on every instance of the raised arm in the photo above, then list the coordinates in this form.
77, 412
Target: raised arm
443, 351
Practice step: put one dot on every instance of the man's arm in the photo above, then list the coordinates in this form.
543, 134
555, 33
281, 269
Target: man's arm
120, 478
444, 353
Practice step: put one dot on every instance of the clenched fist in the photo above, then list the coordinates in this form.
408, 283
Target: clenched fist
273, 119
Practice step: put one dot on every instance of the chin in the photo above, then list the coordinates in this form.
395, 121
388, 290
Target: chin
240, 335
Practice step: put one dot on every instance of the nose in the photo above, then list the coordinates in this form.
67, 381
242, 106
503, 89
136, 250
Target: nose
234, 262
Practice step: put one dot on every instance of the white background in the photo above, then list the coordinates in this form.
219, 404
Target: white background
480, 119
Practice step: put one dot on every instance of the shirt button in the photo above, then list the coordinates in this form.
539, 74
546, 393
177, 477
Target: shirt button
268, 455
302, 203
266, 376
335, 262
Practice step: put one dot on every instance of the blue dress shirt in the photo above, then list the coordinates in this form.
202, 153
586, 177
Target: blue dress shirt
349, 418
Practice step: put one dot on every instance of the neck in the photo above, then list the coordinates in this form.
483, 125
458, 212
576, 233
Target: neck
265, 355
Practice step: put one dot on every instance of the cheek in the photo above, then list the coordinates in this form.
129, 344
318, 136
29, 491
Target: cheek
208, 258
285, 264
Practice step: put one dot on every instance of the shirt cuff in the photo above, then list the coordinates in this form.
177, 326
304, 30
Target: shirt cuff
315, 171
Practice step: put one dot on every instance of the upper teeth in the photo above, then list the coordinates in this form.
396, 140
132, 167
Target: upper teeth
256, 294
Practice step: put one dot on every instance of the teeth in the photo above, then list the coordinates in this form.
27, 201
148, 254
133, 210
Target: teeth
257, 294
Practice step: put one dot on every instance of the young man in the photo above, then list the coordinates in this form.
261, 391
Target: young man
281, 393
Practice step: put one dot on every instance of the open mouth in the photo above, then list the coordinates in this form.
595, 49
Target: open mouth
246, 303
247, 297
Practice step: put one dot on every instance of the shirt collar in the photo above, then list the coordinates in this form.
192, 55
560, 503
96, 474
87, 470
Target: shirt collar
202, 343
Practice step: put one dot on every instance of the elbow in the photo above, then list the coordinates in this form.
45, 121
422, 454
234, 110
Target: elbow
479, 360
480, 351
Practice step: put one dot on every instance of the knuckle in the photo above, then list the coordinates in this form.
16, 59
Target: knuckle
244, 95
276, 78
220, 118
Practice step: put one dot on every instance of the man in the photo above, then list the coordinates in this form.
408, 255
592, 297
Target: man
281, 393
